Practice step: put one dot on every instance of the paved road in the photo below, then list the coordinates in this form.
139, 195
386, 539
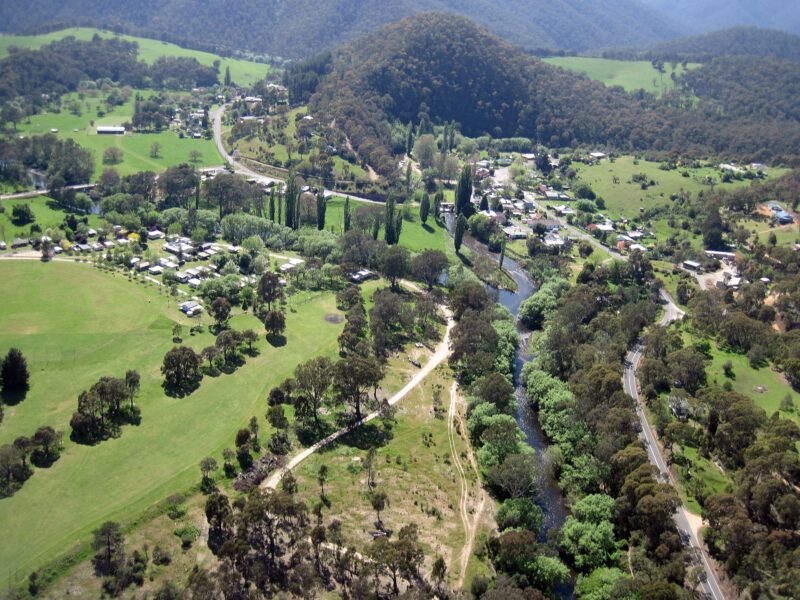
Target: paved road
32, 193
672, 313
248, 172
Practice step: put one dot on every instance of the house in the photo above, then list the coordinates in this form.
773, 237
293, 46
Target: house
155, 270
110, 130
513, 232
19, 242
155, 235
3, 245
597, 155
142, 265
97, 247
692, 265
362, 276
91, 232
724, 256
108, 244
194, 283
167, 264
181, 277
190, 308
541, 224
553, 240
529, 156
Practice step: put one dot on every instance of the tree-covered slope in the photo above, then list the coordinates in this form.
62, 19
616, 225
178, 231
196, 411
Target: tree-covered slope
735, 41
452, 70
301, 27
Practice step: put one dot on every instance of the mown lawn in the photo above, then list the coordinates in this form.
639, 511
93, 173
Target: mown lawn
135, 146
76, 324
629, 74
624, 199
242, 71
46, 216
415, 236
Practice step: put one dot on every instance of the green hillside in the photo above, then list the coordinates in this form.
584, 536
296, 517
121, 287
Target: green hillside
631, 75
242, 71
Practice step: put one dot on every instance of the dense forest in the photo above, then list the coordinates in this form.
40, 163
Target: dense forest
746, 87
60, 67
735, 41
448, 69
303, 27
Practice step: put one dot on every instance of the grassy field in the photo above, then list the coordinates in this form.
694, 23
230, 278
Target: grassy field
415, 468
46, 216
631, 75
700, 468
415, 236
242, 71
76, 324
135, 146
625, 198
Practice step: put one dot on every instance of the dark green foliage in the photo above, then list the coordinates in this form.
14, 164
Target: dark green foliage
457, 72
14, 372
304, 27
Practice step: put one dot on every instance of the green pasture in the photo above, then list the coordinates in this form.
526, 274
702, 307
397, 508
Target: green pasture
629, 74
135, 146
242, 71
625, 198
415, 236
76, 324
46, 216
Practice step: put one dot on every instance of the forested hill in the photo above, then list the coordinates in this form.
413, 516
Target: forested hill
452, 70
302, 27
736, 41
711, 15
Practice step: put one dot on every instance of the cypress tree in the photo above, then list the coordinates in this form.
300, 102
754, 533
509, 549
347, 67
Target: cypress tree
461, 227
280, 209
502, 252
321, 206
410, 139
388, 234
464, 192
424, 208
14, 372
272, 205
227, 76
398, 225
437, 205
291, 200
346, 215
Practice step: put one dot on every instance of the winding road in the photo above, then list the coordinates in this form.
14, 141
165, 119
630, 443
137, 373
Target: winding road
238, 167
683, 518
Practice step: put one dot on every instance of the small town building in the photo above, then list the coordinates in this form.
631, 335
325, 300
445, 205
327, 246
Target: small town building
110, 130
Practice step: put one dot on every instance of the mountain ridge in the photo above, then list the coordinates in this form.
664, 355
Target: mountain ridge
303, 27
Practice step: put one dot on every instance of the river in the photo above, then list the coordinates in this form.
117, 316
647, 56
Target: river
549, 496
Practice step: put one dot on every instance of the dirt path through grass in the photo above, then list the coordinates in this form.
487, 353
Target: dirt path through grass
470, 526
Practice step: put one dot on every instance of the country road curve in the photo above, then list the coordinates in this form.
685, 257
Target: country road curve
440, 355
682, 519
238, 167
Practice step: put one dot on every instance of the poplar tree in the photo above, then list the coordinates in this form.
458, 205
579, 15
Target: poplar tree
424, 208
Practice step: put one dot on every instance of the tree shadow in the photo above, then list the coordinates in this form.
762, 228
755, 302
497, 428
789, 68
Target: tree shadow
276, 341
427, 228
311, 434
182, 391
13, 398
229, 367
366, 436
464, 260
